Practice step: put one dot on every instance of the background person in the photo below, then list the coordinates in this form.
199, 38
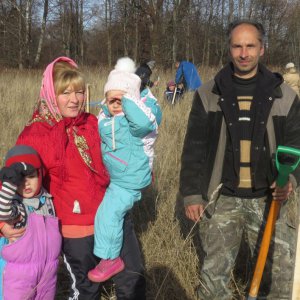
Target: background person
144, 71
169, 92
68, 143
28, 265
291, 77
187, 74
235, 125
128, 129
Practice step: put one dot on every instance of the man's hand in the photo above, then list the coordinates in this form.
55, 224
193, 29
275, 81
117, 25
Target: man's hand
12, 234
194, 212
281, 193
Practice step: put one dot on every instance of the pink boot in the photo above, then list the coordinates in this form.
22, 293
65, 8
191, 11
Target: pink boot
106, 269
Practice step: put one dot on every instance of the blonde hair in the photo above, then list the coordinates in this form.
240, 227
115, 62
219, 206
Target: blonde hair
64, 75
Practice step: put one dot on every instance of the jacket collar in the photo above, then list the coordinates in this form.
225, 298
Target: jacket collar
37, 201
268, 82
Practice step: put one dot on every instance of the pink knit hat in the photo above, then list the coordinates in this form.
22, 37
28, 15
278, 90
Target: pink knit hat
171, 83
122, 78
47, 92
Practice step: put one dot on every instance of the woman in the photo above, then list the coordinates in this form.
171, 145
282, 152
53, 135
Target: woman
68, 143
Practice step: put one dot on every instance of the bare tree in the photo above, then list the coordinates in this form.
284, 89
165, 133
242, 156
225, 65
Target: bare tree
42, 34
158, 29
207, 36
153, 10
175, 22
20, 37
80, 31
108, 25
28, 21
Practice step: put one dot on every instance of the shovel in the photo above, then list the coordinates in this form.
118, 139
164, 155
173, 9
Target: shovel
174, 94
287, 160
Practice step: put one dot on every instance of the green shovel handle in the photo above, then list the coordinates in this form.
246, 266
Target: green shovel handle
284, 170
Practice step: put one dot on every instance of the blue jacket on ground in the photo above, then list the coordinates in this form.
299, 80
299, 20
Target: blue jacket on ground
188, 75
128, 138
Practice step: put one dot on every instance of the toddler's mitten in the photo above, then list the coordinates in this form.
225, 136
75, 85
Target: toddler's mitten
16, 172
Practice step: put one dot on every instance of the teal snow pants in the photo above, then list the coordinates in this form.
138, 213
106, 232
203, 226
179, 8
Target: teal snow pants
109, 220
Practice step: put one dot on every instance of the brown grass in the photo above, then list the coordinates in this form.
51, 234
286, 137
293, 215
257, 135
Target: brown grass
171, 259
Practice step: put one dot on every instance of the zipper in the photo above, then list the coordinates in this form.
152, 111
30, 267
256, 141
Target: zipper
118, 159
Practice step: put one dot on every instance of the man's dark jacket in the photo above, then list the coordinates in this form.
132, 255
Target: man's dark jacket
214, 115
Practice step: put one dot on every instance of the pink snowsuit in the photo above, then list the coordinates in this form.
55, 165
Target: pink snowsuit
32, 261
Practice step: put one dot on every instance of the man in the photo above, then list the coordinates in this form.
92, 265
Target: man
228, 175
187, 75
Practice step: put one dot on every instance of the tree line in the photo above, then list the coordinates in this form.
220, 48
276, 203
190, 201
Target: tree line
32, 32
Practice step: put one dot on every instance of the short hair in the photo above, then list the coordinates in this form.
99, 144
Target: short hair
179, 58
64, 75
257, 25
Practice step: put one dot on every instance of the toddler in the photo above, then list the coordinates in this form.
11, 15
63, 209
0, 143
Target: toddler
169, 92
28, 265
128, 129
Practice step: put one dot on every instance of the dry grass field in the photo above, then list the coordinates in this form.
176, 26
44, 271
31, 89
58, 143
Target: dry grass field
170, 259
168, 246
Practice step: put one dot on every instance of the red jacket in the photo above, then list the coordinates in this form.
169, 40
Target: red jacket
74, 171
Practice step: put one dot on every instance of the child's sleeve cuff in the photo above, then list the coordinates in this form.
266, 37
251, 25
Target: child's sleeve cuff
1, 226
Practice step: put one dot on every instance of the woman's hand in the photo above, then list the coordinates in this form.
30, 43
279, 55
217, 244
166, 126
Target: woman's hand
12, 234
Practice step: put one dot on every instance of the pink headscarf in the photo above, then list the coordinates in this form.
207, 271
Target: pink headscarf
47, 92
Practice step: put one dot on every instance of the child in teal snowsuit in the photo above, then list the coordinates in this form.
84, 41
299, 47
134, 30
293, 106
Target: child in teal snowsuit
128, 128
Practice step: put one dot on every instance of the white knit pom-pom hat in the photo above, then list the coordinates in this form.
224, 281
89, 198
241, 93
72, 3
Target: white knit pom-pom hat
290, 65
122, 78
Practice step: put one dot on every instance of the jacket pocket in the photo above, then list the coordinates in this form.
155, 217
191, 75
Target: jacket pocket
116, 145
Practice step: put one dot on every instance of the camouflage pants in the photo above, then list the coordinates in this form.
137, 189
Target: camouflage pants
233, 220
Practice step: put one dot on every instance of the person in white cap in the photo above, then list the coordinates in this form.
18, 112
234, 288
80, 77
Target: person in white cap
291, 77
128, 128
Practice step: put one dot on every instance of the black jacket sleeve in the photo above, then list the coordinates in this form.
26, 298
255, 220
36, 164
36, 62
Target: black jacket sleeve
194, 153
